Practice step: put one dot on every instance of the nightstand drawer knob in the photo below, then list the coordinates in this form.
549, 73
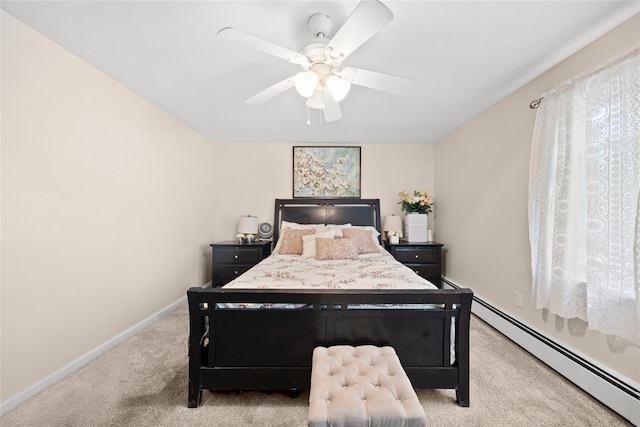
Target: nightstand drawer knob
236, 272
417, 272
417, 256
236, 256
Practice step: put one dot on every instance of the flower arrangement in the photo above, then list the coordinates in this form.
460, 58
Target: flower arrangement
391, 233
394, 236
420, 202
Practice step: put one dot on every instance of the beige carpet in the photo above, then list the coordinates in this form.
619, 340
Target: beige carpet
143, 382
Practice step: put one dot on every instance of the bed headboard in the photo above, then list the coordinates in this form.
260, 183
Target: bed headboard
326, 211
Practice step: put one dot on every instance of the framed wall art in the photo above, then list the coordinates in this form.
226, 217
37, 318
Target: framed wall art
326, 171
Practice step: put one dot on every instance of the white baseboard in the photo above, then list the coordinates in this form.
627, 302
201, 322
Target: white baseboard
17, 400
614, 390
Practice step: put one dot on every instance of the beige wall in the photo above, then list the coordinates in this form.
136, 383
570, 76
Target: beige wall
109, 204
482, 178
250, 182
105, 214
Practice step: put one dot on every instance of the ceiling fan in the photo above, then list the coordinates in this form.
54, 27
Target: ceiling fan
321, 81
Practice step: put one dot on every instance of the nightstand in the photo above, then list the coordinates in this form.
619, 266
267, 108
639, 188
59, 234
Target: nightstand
423, 258
231, 259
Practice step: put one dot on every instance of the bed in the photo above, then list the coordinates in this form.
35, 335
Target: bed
235, 346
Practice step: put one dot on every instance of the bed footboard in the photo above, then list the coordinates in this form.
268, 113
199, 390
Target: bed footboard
271, 349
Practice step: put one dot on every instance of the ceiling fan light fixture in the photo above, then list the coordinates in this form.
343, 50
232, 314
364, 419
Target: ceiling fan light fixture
306, 82
316, 100
320, 82
338, 87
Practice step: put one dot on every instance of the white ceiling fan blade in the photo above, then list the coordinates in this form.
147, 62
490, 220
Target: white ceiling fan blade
253, 42
331, 107
271, 91
384, 82
364, 22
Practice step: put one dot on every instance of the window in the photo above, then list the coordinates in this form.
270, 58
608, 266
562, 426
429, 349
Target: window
584, 188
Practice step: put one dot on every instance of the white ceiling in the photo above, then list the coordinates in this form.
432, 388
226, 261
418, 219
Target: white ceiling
462, 55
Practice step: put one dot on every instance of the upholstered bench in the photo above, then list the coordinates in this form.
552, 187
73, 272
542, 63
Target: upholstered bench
361, 386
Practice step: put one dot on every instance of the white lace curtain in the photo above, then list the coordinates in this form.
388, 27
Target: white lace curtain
584, 191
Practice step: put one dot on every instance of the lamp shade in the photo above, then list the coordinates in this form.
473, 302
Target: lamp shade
306, 82
248, 224
392, 222
316, 100
338, 87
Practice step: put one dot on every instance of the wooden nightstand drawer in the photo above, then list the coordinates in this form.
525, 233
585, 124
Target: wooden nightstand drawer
231, 259
425, 270
231, 271
417, 254
423, 258
237, 255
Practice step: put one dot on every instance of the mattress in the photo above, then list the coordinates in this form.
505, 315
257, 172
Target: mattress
368, 271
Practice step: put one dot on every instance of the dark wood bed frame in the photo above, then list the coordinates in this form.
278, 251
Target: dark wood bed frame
245, 349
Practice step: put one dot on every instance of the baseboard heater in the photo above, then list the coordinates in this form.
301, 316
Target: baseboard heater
609, 389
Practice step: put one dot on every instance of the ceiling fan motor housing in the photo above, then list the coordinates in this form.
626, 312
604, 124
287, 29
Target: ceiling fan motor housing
320, 25
316, 52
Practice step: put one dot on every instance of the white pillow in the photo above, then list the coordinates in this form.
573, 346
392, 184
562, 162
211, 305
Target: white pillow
309, 242
295, 225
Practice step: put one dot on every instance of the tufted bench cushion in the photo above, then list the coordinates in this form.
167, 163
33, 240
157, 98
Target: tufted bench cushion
361, 386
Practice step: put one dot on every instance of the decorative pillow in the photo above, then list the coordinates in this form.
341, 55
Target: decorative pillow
336, 248
364, 239
309, 242
374, 232
295, 226
291, 241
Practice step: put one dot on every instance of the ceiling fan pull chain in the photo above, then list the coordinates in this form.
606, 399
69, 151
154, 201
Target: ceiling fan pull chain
308, 120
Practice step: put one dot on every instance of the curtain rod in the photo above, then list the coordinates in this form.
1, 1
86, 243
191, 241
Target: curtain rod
585, 74
535, 103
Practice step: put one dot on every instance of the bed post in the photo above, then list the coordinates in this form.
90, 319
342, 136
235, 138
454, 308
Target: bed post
462, 344
196, 329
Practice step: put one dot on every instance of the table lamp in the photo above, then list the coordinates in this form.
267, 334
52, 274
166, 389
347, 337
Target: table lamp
248, 225
393, 226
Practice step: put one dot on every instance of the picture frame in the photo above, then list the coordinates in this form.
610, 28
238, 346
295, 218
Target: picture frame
326, 171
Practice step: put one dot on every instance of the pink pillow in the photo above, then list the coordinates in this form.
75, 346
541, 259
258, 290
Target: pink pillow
309, 242
364, 238
291, 241
336, 248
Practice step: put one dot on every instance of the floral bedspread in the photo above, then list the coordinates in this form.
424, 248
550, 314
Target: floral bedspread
369, 271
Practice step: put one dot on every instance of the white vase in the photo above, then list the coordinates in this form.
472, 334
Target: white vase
394, 240
415, 228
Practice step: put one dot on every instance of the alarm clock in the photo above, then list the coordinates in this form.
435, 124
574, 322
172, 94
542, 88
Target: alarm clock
265, 230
